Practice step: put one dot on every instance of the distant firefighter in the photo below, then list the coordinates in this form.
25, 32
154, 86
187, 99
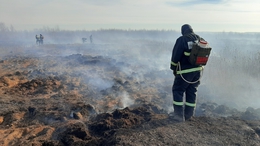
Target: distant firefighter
37, 39
90, 38
84, 40
41, 39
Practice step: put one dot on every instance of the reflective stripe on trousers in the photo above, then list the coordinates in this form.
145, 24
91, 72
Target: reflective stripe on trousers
182, 103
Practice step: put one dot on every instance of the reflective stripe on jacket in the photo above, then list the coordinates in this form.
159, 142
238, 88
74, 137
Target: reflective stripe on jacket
190, 70
183, 71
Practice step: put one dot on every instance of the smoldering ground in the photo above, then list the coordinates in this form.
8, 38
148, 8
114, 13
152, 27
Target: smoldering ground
230, 77
116, 87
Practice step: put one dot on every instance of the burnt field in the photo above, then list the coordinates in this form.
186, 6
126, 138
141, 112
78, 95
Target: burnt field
118, 93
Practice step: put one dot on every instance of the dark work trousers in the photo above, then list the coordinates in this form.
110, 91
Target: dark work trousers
179, 88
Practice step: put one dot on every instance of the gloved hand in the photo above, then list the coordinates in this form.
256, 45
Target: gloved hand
174, 72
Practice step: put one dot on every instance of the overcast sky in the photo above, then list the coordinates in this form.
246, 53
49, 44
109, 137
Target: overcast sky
202, 15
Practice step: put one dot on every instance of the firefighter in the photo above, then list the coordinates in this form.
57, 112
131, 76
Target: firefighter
90, 38
37, 39
188, 73
84, 40
41, 39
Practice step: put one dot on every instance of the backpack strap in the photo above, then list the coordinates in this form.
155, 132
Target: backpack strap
193, 36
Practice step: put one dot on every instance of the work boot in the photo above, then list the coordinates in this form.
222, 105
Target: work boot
189, 112
177, 115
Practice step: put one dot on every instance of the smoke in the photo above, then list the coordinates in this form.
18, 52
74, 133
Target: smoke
100, 83
125, 99
231, 76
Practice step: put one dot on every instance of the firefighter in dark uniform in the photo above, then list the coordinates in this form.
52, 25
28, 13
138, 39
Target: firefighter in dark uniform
90, 38
41, 39
37, 39
183, 78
